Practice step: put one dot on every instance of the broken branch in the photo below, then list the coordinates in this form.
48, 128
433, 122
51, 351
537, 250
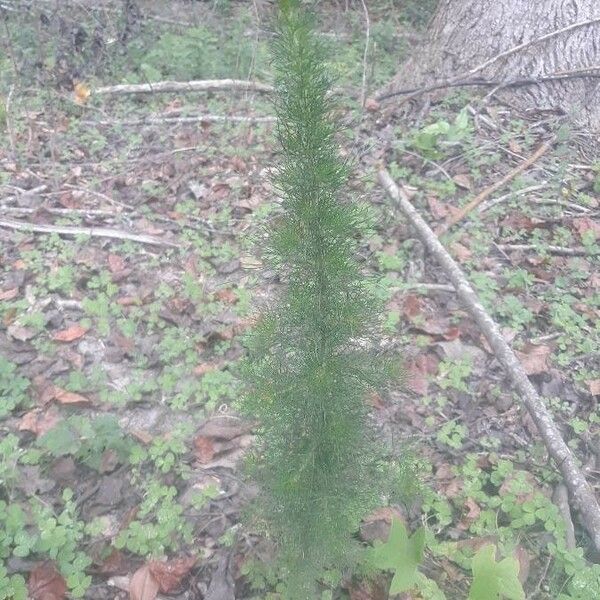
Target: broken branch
579, 489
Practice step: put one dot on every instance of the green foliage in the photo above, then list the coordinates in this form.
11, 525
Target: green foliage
160, 524
86, 439
431, 139
13, 388
310, 360
401, 554
493, 579
38, 531
197, 53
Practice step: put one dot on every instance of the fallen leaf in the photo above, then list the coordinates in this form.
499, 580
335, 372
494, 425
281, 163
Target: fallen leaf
461, 252
81, 92
66, 397
71, 333
594, 386
376, 525
585, 224
205, 449
372, 588
46, 583
9, 294
534, 358
143, 436
463, 180
224, 428
438, 209
39, 421
143, 585
226, 295
203, 368
114, 563
18, 332
472, 514
169, 574
514, 146
116, 263
413, 306
419, 372
371, 105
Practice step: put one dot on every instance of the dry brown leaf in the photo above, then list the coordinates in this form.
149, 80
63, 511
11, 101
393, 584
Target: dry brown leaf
226, 295
585, 224
46, 583
438, 210
143, 585
460, 251
594, 386
463, 180
169, 574
413, 306
20, 333
419, 372
534, 358
205, 449
376, 525
66, 397
203, 368
371, 105
9, 294
81, 93
143, 436
116, 263
39, 421
472, 514
71, 333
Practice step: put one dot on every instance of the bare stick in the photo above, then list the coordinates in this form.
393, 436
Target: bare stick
179, 120
532, 188
465, 210
363, 91
580, 251
579, 489
590, 72
208, 85
91, 231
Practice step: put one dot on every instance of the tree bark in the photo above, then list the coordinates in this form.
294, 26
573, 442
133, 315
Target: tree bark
508, 40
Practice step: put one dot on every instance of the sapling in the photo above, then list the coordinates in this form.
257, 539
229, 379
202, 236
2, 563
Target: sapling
312, 359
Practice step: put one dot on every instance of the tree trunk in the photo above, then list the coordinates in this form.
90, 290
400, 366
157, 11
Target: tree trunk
465, 37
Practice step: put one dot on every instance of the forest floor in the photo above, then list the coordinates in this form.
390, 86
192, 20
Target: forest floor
130, 270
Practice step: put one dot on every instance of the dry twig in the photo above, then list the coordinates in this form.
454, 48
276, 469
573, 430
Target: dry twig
579, 489
465, 210
91, 231
184, 120
208, 85
560, 250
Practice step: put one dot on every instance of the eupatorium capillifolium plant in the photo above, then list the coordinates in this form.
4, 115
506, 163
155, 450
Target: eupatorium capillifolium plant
311, 356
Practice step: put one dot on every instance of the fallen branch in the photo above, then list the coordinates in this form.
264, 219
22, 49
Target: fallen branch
179, 120
592, 72
561, 250
465, 210
208, 85
579, 489
91, 231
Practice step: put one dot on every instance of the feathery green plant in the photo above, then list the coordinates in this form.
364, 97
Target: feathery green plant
312, 358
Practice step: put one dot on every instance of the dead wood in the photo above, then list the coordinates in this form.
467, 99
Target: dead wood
580, 490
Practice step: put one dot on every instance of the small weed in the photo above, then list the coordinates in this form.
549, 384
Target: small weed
13, 388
